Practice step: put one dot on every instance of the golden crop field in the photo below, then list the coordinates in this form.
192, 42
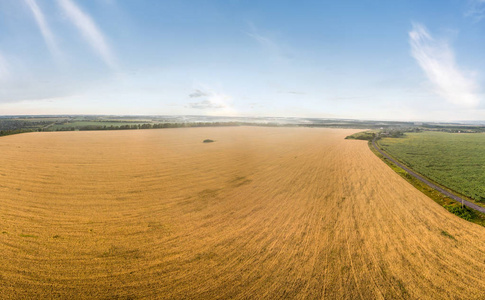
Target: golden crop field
261, 213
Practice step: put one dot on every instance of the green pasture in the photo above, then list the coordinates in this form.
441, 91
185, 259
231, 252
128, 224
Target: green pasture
455, 160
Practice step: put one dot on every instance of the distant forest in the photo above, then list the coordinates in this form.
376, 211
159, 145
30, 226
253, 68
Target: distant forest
19, 124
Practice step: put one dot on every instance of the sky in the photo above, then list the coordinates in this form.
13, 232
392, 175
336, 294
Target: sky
364, 59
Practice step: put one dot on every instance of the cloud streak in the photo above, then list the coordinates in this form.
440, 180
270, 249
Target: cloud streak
205, 104
198, 93
44, 28
89, 30
210, 100
273, 49
292, 92
476, 9
437, 60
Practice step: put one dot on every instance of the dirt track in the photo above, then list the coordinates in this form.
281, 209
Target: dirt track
262, 213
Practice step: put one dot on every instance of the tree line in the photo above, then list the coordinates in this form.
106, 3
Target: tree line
147, 126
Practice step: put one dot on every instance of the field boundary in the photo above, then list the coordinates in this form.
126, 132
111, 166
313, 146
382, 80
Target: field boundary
427, 181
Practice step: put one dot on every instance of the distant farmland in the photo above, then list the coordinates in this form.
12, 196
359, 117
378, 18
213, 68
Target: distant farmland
259, 213
455, 160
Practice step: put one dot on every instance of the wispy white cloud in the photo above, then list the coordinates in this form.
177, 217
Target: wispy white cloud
437, 60
264, 41
213, 101
269, 45
206, 104
89, 30
292, 92
44, 28
476, 9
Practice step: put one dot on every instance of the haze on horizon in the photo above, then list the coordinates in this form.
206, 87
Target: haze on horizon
405, 60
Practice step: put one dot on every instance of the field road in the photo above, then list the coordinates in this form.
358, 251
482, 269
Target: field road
261, 213
428, 183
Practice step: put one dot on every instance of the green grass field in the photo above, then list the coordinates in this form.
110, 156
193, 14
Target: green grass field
455, 160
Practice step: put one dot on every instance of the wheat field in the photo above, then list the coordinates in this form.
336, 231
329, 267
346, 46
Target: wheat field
266, 213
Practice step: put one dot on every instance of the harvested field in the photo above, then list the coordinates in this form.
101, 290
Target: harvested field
261, 213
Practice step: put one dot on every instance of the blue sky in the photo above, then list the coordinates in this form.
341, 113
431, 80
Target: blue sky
385, 60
